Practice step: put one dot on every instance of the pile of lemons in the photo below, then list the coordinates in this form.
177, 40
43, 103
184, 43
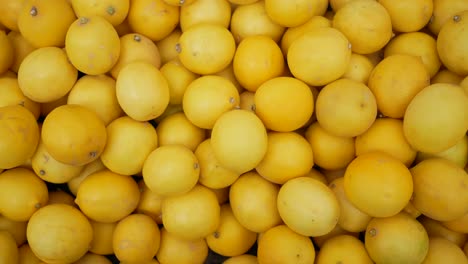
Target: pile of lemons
313, 131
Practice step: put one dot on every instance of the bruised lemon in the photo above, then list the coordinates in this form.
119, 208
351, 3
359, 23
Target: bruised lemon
206, 48
92, 45
74, 135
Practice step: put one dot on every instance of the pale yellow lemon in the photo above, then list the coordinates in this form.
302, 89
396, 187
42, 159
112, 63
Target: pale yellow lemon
443, 11
291, 13
457, 154
178, 78
359, 68
408, 16
343, 248
167, 46
205, 11
12, 95
114, 11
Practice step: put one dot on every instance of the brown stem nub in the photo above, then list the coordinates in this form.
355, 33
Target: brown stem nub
33, 11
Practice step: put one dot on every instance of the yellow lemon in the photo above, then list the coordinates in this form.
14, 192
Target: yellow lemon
230, 238
19, 136
61, 197
177, 129
418, 44
408, 16
145, 16
343, 248
366, 24
150, 202
206, 48
74, 135
103, 234
205, 11
10, 253
346, 108
178, 78
457, 154
447, 107
239, 140
251, 19
114, 11
167, 46
107, 197
174, 249
7, 52
136, 239
444, 10
48, 67
213, 174
91, 258
207, 98
171, 170
299, 212
253, 202
193, 215
92, 45
257, 60
378, 184
291, 13
441, 250
21, 48
284, 104
54, 15
330, 152
289, 155
386, 135
12, 95
69, 234
51, 170
98, 94
142, 91
449, 180
16, 228
129, 142
319, 56
282, 245
88, 169
136, 47
359, 68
